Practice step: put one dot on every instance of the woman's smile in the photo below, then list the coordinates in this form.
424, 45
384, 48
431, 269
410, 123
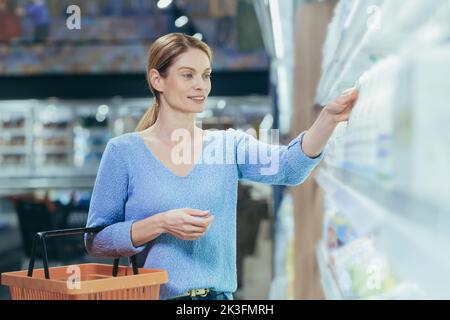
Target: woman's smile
197, 99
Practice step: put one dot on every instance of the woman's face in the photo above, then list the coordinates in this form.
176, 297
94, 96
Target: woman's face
188, 82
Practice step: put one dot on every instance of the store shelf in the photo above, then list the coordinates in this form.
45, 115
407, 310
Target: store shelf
53, 149
63, 139
412, 234
52, 133
20, 185
19, 150
364, 213
68, 171
16, 170
361, 45
342, 71
404, 208
329, 283
97, 131
368, 202
13, 132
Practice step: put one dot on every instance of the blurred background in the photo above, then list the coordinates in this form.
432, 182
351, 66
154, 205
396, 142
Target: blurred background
64, 93
116, 34
371, 223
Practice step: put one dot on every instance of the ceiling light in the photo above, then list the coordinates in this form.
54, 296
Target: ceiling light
162, 4
181, 21
103, 109
221, 104
198, 35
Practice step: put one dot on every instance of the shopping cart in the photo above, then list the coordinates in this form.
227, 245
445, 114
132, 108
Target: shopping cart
88, 281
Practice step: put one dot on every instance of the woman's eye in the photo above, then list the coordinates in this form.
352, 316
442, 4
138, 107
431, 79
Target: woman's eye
207, 76
187, 75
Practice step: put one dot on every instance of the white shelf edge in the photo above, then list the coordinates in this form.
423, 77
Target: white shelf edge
340, 194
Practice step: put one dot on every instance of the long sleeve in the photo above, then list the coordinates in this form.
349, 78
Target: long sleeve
273, 164
107, 209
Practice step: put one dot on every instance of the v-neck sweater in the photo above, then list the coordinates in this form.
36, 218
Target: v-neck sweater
132, 184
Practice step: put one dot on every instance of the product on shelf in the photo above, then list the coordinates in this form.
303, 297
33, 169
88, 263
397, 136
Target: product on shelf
338, 229
398, 125
13, 160
364, 32
360, 271
14, 139
53, 146
422, 139
7, 140
364, 144
12, 120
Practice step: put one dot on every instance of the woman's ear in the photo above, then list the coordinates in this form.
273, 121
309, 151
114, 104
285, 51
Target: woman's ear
156, 80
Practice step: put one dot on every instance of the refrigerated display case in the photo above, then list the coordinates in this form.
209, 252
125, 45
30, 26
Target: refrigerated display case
52, 138
385, 173
15, 138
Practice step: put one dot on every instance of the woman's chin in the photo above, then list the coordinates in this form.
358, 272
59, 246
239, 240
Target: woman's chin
199, 108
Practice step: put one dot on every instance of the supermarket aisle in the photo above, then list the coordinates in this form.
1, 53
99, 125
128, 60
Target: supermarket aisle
372, 222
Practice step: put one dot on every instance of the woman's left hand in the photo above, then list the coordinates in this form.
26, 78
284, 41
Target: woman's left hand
340, 108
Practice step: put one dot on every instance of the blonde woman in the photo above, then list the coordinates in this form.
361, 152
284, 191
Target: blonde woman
178, 213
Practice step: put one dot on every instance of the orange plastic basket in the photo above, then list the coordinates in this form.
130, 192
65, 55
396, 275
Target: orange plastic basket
94, 281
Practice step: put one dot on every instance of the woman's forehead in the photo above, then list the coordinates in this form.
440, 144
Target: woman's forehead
194, 59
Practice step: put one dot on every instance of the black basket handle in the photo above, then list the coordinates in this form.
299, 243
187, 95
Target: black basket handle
40, 237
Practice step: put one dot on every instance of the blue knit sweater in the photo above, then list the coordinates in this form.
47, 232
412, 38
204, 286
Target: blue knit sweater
132, 184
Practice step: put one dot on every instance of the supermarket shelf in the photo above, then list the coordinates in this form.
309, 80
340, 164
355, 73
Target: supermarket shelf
53, 149
97, 131
412, 234
367, 202
364, 214
330, 287
52, 133
345, 78
14, 150
341, 73
66, 171
11, 186
90, 148
360, 46
8, 170
42, 128
13, 132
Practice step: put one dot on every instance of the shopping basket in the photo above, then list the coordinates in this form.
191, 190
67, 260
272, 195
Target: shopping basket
89, 281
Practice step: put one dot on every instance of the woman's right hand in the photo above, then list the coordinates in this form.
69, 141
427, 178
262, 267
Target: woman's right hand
186, 223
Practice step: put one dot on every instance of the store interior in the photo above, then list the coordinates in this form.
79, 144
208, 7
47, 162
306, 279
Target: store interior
371, 222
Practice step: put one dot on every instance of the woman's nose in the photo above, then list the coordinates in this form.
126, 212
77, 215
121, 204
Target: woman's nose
199, 83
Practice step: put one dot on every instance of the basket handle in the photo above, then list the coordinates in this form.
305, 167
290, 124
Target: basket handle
40, 237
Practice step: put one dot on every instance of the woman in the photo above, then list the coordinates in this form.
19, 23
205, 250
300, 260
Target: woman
178, 213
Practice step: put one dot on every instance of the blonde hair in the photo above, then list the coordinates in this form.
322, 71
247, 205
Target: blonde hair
161, 56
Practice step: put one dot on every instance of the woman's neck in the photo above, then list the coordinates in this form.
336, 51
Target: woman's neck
169, 121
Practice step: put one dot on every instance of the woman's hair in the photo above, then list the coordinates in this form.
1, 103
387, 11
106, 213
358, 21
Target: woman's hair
161, 56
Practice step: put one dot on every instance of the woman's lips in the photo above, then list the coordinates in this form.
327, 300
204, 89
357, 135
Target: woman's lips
197, 99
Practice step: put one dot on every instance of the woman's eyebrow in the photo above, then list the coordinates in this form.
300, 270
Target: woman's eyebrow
207, 69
